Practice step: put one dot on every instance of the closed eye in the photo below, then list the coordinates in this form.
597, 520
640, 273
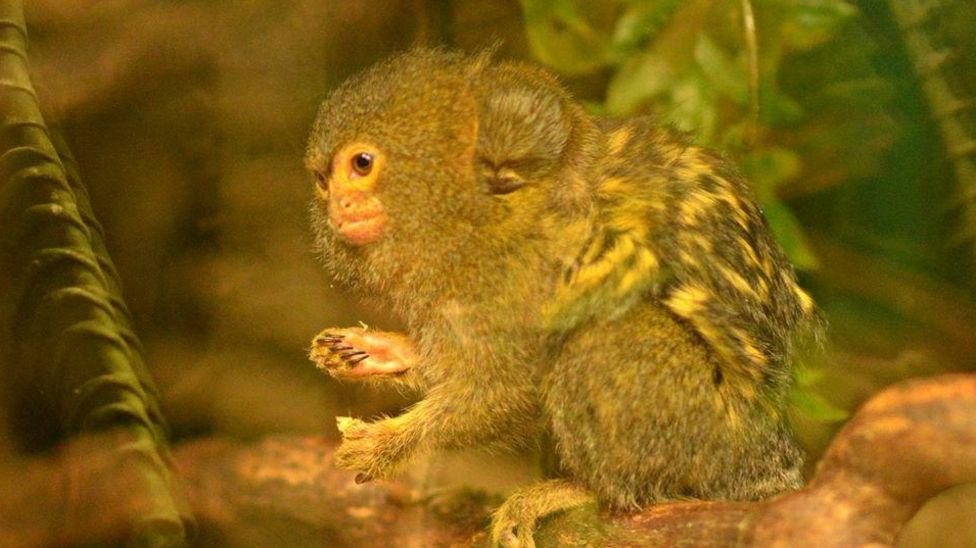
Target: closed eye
501, 181
505, 185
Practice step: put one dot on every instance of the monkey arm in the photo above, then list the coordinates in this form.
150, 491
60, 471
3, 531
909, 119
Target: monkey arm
456, 417
493, 403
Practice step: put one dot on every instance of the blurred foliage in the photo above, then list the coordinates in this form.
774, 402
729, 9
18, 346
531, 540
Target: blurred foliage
689, 63
809, 402
66, 344
941, 57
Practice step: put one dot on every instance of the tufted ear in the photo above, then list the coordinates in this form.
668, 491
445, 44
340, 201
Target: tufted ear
523, 127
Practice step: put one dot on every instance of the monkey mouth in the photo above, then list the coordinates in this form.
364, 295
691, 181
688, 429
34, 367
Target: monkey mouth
359, 227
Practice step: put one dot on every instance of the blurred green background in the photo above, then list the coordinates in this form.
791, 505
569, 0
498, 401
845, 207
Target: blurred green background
854, 120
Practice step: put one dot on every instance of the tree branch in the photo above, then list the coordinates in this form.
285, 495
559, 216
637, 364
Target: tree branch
906, 445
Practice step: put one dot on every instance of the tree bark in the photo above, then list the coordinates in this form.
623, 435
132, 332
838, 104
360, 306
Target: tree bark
904, 446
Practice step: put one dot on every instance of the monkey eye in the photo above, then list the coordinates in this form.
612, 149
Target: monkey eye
504, 185
357, 163
362, 164
501, 181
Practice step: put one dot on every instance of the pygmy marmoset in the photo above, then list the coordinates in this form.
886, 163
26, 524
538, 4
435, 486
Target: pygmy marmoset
601, 281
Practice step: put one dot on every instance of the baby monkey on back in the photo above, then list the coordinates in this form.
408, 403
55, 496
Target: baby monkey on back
602, 282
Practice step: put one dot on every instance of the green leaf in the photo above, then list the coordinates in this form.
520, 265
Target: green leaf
595, 108
814, 406
693, 109
640, 22
638, 80
722, 72
769, 168
807, 376
561, 34
776, 108
811, 23
787, 231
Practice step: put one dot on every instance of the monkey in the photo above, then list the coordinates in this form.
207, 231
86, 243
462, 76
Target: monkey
601, 283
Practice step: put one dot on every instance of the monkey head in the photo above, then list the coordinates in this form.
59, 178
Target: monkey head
433, 159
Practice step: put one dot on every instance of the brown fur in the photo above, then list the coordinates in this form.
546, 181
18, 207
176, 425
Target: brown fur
600, 281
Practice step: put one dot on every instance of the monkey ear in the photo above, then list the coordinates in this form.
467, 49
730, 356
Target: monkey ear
523, 127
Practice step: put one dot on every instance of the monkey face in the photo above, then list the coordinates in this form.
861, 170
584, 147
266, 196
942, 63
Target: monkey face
392, 151
346, 191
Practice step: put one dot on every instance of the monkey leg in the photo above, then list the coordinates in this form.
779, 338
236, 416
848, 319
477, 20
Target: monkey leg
653, 417
360, 354
513, 523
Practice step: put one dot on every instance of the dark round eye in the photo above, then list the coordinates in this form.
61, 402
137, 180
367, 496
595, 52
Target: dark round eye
362, 163
321, 180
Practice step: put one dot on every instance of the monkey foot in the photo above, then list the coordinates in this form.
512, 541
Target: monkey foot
358, 353
513, 523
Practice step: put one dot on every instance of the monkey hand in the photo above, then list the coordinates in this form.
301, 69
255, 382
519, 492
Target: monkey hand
359, 354
373, 449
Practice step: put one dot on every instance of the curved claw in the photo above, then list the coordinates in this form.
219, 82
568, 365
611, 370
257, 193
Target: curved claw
354, 353
355, 361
